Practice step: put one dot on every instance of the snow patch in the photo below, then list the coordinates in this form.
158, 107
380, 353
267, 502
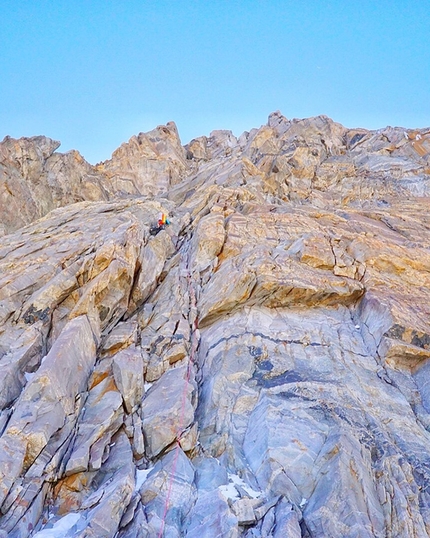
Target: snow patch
29, 376
230, 492
141, 475
147, 386
60, 527
239, 482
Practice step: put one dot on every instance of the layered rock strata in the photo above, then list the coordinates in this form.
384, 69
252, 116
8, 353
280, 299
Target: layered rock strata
258, 368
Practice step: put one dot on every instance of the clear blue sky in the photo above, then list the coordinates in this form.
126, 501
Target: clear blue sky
91, 73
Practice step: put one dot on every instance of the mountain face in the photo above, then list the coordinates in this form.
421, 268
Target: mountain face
258, 368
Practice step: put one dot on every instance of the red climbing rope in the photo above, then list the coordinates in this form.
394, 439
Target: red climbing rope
193, 349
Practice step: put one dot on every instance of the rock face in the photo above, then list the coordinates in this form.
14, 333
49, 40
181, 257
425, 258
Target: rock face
258, 368
34, 179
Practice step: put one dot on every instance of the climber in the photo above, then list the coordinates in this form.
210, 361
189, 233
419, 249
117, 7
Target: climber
162, 222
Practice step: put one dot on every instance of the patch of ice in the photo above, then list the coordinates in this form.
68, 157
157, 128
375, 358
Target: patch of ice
28, 376
230, 492
239, 482
60, 527
141, 475
147, 386
303, 502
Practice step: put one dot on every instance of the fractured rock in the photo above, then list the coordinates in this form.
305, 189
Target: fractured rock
167, 409
259, 367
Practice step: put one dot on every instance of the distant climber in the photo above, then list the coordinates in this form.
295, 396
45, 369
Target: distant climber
162, 222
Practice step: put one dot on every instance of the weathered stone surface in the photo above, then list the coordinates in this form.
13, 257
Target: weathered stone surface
102, 416
212, 516
22, 354
163, 424
127, 370
34, 180
287, 521
148, 163
49, 397
243, 509
257, 368
345, 469
169, 492
107, 504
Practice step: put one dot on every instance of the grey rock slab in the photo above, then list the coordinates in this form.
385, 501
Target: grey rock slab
138, 440
422, 380
175, 353
24, 352
211, 516
231, 286
106, 506
51, 460
27, 508
208, 241
127, 370
4, 419
281, 445
405, 507
243, 509
12, 456
102, 416
287, 521
45, 299
138, 527
344, 501
168, 493
268, 523
153, 258
122, 335
261, 510
64, 527
49, 398
225, 401
209, 473
167, 409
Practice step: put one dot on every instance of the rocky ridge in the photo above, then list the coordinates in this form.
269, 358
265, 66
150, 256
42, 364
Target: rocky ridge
257, 368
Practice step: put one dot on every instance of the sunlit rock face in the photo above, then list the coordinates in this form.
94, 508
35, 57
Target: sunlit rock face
34, 178
258, 368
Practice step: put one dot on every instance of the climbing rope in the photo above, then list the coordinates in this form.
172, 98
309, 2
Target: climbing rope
193, 349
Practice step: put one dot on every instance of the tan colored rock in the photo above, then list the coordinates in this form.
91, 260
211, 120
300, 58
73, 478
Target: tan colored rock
122, 336
231, 286
208, 241
149, 163
152, 260
34, 180
61, 377
102, 417
257, 368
